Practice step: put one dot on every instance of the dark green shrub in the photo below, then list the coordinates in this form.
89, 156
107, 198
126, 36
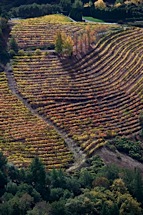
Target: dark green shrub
141, 119
12, 53
13, 45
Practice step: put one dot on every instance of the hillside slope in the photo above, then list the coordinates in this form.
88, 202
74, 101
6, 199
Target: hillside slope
92, 99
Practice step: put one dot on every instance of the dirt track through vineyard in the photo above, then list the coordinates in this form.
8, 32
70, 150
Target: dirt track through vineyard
78, 154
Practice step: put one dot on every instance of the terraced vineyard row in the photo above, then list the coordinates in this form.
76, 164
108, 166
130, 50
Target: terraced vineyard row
112, 68
90, 100
40, 32
93, 99
24, 136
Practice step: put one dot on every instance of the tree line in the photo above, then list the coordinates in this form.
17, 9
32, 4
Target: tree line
95, 189
4, 31
122, 13
117, 12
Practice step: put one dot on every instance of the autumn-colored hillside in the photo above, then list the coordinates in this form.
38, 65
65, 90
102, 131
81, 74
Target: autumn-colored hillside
70, 107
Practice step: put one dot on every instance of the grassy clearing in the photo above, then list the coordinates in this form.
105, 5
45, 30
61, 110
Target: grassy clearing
54, 18
92, 19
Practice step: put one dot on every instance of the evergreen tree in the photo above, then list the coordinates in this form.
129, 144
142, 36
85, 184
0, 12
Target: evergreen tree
114, 210
138, 186
57, 178
41, 208
13, 45
58, 207
76, 11
37, 177
85, 178
66, 5
105, 210
78, 4
3, 173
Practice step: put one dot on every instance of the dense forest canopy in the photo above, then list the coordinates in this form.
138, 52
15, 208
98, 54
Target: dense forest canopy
108, 10
96, 189
4, 29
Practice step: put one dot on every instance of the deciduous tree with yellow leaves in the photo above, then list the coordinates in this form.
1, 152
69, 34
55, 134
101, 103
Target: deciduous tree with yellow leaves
63, 44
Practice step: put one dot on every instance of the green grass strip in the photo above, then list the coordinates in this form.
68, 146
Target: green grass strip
92, 19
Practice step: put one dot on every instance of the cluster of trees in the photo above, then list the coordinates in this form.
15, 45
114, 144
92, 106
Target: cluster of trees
122, 13
77, 10
129, 147
35, 10
67, 7
7, 50
95, 189
63, 44
84, 40
108, 10
79, 45
13, 47
4, 30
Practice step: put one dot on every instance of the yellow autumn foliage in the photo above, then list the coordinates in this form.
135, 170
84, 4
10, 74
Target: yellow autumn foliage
100, 4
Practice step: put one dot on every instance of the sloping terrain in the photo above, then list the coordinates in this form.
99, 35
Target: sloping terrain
40, 32
89, 100
24, 135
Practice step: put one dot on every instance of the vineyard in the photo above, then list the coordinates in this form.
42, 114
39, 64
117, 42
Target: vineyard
39, 33
91, 99
24, 136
